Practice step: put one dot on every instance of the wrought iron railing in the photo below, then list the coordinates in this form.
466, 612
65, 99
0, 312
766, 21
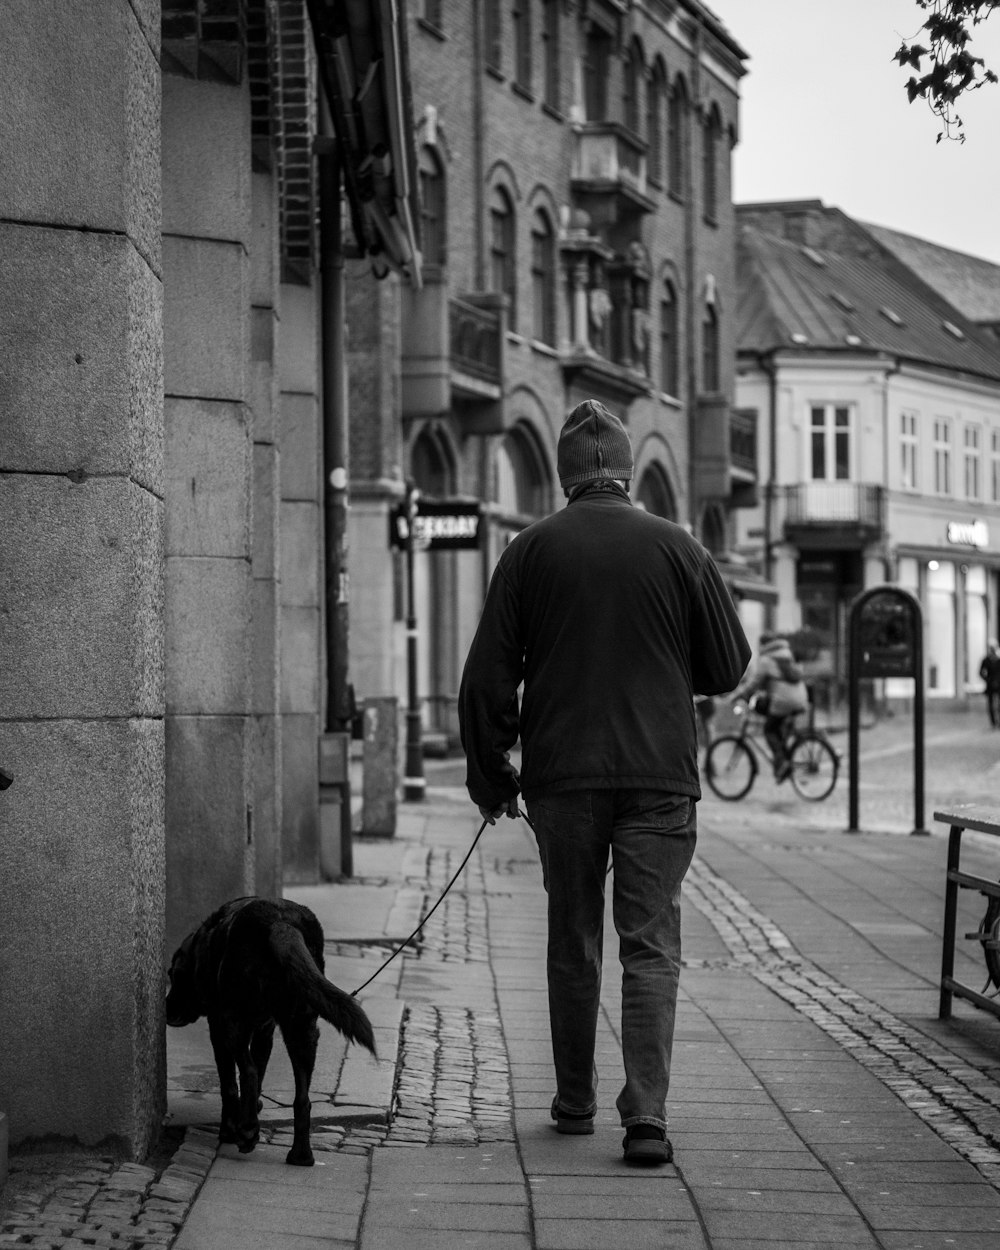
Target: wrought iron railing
835, 503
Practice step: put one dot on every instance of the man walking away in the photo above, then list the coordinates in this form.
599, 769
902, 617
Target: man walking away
989, 671
613, 619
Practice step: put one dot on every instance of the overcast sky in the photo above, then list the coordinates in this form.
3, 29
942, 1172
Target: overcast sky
824, 115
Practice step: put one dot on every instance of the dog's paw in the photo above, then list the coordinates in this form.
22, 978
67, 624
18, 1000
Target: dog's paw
300, 1158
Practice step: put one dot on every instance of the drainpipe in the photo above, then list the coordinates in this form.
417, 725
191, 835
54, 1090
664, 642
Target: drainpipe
690, 221
478, 139
335, 742
766, 362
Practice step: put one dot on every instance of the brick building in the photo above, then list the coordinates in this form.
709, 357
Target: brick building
578, 241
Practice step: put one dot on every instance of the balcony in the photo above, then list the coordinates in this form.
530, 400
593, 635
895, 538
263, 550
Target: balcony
743, 470
475, 337
453, 354
608, 177
832, 515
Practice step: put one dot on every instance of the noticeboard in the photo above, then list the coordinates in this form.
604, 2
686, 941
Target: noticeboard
446, 526
887, 624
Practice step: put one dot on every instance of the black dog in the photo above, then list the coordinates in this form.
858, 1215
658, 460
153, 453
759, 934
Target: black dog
255, 963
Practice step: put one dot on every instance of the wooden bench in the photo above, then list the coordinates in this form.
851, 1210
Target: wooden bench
983, 820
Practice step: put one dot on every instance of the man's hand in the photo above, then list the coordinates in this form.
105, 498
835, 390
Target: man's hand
492, 814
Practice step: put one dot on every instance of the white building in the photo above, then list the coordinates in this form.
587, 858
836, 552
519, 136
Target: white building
878, 414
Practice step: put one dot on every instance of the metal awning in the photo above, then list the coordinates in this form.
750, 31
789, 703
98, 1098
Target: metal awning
361, 46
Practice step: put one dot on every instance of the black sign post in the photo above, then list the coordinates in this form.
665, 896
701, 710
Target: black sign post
420, 525
885, 639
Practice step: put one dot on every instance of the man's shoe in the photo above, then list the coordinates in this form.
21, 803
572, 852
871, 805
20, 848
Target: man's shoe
783, 771
645, 1143
573, 1122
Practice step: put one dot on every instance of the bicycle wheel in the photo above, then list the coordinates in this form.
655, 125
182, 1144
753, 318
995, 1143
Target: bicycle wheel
814, 766
730, 767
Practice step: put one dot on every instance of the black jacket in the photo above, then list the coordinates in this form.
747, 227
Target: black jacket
613, 619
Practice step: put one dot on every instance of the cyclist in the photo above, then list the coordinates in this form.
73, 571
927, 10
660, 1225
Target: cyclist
776, 679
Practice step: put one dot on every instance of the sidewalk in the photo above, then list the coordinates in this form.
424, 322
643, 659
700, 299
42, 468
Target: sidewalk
816, 1100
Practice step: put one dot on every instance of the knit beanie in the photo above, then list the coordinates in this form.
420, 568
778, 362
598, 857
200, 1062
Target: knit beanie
593, 443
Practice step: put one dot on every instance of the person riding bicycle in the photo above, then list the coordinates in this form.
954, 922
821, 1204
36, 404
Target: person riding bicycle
776, 679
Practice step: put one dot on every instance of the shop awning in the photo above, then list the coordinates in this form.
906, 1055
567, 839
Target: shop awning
361, 45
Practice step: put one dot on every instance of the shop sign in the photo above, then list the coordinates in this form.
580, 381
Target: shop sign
968, 533
448, 526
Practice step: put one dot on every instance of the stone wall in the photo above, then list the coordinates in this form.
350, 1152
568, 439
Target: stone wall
81, 586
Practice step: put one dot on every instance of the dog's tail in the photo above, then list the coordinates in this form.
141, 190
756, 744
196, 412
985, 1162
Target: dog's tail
341, 1010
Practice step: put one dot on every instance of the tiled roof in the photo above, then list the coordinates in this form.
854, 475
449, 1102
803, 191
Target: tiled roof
969, 282
796, 296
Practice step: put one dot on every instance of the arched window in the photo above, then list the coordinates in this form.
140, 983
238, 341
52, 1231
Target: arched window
432, 207
523, 488
543, 278
503, 260
654, 493
677, 111
710, 350
492, 33
596, 59
669, 354
520, 16
550, 46
431, 465
655, 102
631, 87
713, 530
711, 133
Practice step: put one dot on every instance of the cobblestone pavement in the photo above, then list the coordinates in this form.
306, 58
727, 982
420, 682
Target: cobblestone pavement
958, 1101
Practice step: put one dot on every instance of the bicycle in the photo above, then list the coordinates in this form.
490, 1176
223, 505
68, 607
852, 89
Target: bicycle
733, 761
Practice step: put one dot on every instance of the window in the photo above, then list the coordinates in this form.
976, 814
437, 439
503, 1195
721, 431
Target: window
973, 484
654, 494
492, 33
942, 456
543, 278
829, 443
710, 165
677, 109
520, 18
995, 466
597, 56
908, 450
503, 262
432, 207
550, 53
631, 78
669, 379
655, 98
522, 480
710, 350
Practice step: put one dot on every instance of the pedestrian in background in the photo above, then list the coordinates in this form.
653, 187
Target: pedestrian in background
613, 619
781, 695
989, 671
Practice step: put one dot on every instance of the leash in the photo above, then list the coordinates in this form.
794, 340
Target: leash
406, 941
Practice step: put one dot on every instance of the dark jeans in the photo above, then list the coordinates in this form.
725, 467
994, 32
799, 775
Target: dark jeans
993, 707
651, 835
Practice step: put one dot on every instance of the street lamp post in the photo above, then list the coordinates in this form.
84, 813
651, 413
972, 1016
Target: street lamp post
414, 784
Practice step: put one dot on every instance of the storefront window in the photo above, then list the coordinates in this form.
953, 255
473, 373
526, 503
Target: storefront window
976, 624
941, 628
